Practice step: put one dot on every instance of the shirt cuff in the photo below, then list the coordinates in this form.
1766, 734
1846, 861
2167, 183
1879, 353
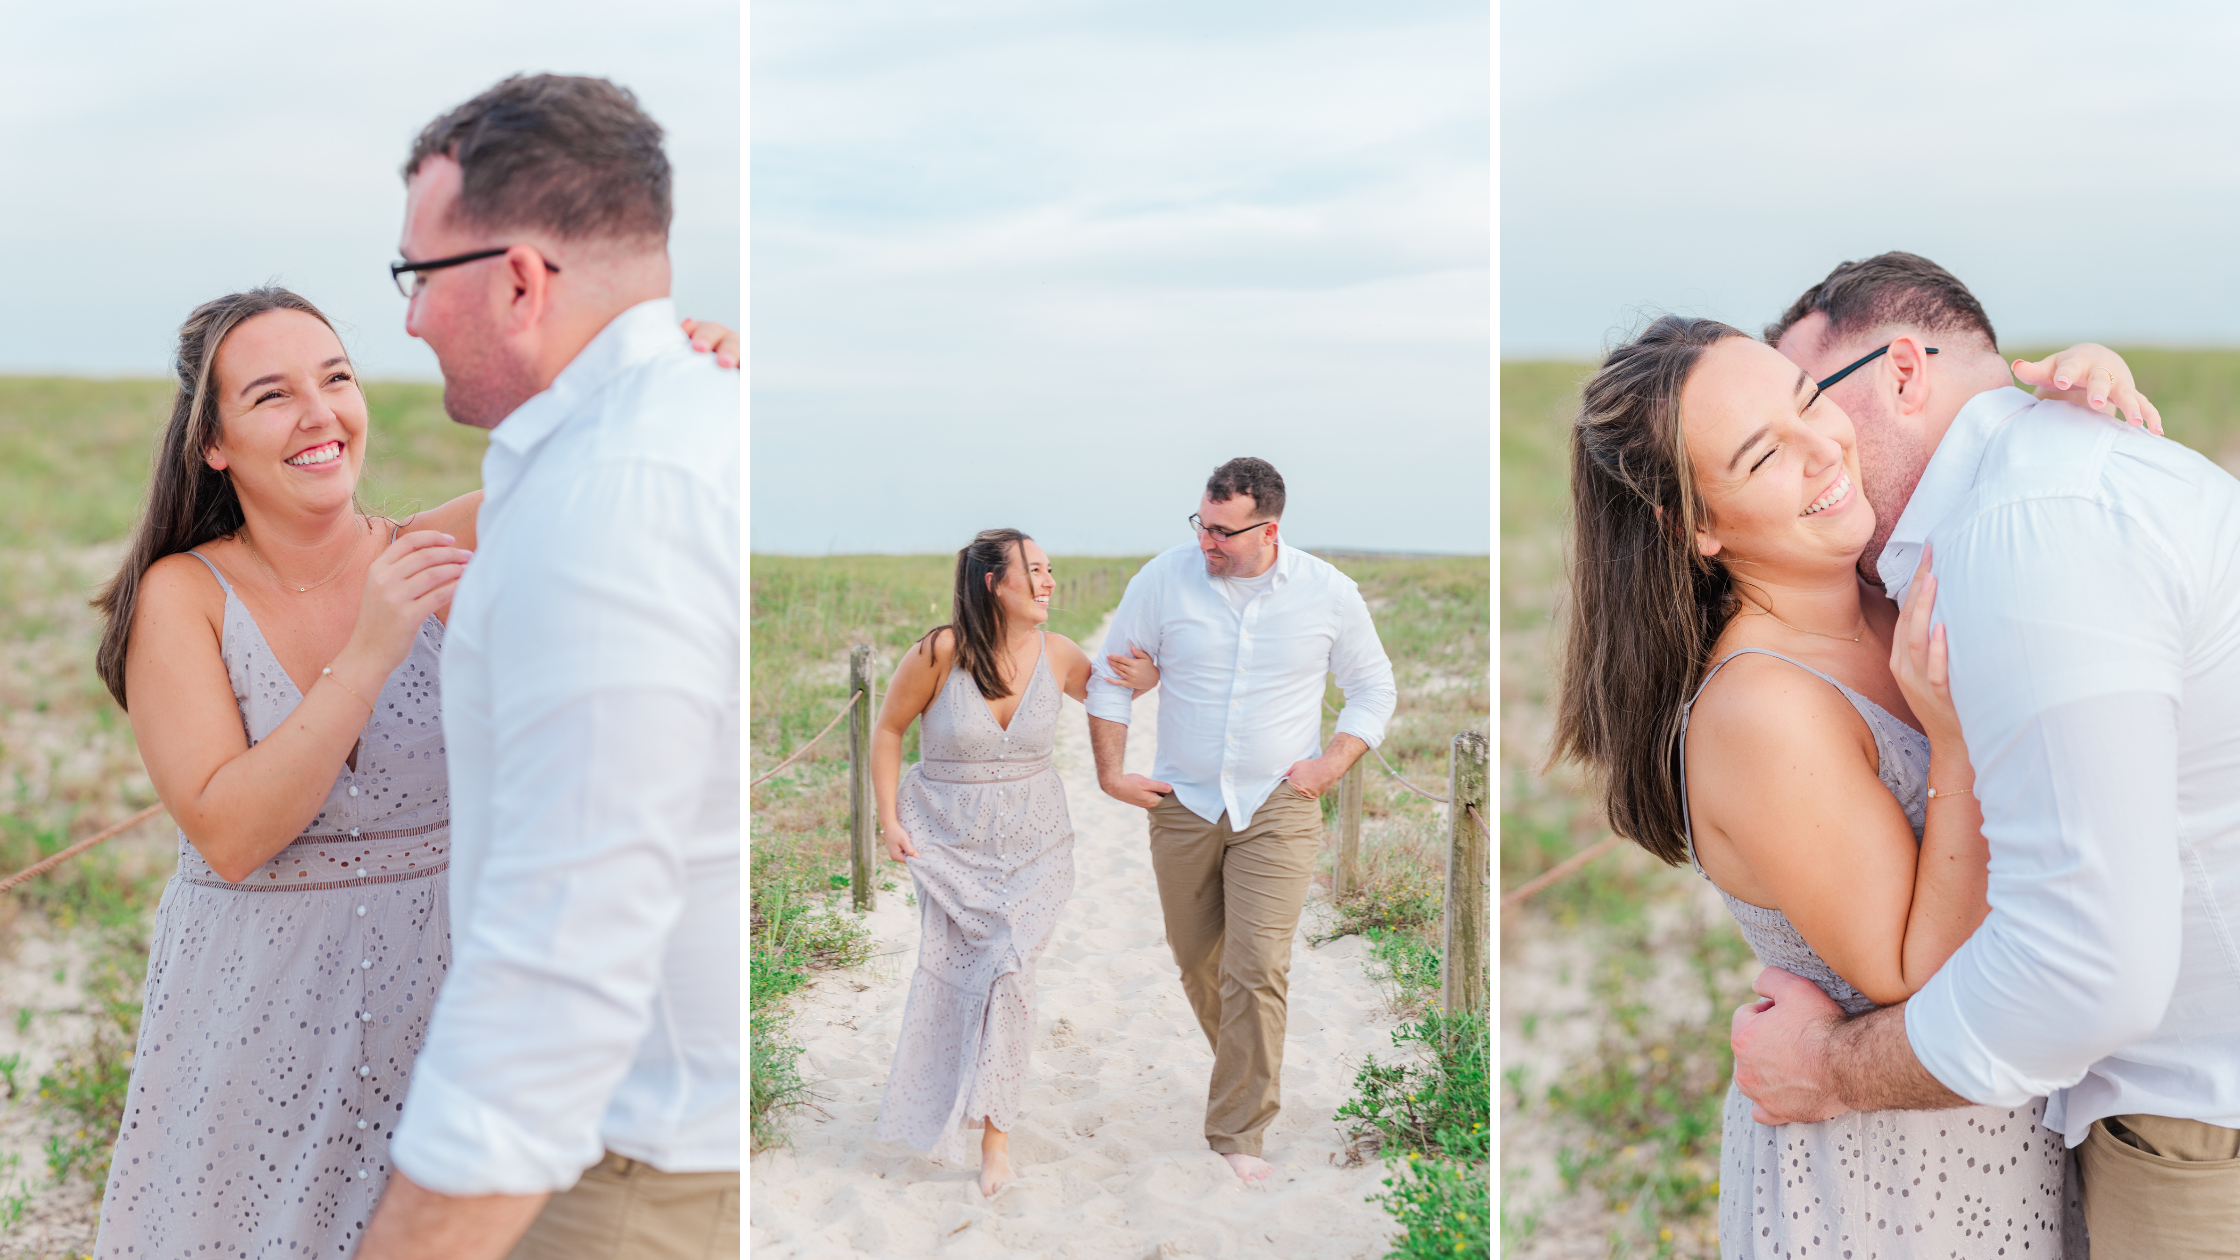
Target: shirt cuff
1109, 701
452, 1142
1367, 729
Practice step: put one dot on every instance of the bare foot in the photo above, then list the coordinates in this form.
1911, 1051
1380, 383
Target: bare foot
1250, 1168
995, 1161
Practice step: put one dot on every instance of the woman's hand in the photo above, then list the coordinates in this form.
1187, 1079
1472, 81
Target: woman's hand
410, 582
1135, 669
706, 337
2095, 376
898, 842
1918, 660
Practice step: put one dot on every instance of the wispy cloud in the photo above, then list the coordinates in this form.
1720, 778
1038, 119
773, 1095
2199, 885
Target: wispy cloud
2070, 162
1050, 264
160, 155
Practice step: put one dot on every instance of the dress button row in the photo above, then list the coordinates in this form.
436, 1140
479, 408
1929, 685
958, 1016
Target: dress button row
365, 1069
361, 1124
361, 912
353, 792
365, 1017
366, 963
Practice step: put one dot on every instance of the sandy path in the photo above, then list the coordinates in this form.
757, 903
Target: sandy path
1111, 1153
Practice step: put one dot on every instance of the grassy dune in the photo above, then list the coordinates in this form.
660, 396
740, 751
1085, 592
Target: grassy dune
1618, 982
74, 457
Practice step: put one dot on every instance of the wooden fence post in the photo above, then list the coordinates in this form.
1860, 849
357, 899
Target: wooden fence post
862, 804
1462, 974
1347, 879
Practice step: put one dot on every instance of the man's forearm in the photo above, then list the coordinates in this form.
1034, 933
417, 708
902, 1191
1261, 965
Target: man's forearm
1108, 740
413, 1221
1871, 1066
1344, 750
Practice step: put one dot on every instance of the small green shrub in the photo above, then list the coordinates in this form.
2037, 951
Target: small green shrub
1433, 1122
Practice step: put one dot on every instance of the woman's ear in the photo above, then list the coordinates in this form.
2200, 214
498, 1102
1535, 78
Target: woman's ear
215, 458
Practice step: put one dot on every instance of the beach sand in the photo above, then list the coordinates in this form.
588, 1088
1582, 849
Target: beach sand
1110, 1146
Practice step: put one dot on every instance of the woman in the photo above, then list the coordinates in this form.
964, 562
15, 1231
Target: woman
981, 821
276, 651
1756, 708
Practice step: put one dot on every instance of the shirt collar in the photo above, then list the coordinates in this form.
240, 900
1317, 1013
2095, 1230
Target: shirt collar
635, 335
1945, 483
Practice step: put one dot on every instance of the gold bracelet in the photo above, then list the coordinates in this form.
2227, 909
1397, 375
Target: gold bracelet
327, 672
1934, 793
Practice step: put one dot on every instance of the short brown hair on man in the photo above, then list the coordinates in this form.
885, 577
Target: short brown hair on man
1246, 475
569, 155
1892, 288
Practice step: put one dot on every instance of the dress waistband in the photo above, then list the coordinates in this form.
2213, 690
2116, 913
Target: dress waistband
992, 770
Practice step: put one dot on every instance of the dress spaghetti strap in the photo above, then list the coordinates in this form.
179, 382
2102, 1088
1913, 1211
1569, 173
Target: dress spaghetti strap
224, 585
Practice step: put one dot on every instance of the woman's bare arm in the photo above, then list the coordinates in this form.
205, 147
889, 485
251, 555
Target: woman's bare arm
916, 682
240, 805
1782, 780
456, 518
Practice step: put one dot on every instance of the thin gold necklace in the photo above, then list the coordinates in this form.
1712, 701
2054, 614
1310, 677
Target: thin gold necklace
285, 583
1768, 612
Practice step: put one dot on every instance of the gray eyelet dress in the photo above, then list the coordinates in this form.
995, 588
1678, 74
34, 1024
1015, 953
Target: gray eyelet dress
986, 811
1880, 1185
283, 1013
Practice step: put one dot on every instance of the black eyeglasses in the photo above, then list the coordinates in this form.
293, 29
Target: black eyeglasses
1200, 527
1822, 387
399, 270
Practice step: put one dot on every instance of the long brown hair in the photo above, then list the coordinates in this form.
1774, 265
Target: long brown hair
975, 615
189, 502
1646, 604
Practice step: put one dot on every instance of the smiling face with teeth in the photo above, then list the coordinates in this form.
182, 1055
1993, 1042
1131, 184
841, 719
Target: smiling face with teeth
292, 420
1024, 594
1776, 464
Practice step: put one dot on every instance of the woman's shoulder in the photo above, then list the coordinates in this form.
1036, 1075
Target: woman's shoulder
935, 650
1758, 704
1063, 649
185, 577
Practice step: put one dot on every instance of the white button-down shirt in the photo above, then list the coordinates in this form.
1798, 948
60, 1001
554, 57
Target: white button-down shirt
2089, 577
1240, 694
591, 715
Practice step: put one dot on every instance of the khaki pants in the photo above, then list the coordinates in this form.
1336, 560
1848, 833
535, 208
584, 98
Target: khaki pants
1232, 901
2161, 1189
625, 1210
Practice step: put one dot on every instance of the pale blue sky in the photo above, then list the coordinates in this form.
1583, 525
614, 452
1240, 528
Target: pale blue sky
2072, 163
158, 155
1045, 264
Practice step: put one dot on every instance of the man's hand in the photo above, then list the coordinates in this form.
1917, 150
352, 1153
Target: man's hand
1109, 741
1138, 790
1313, 777
1781, 1048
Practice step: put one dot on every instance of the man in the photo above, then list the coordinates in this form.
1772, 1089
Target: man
585, 1047
1244, 631
2089, 577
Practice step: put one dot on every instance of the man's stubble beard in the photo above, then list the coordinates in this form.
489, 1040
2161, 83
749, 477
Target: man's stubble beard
481, 387
1891, 462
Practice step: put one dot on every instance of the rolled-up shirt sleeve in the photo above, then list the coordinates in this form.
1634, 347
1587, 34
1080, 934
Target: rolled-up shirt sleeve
1135, 621
1362, 671
2065, 624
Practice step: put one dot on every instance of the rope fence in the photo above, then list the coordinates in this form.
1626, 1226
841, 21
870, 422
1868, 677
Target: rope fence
1394, 773
46, 864
797, 753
